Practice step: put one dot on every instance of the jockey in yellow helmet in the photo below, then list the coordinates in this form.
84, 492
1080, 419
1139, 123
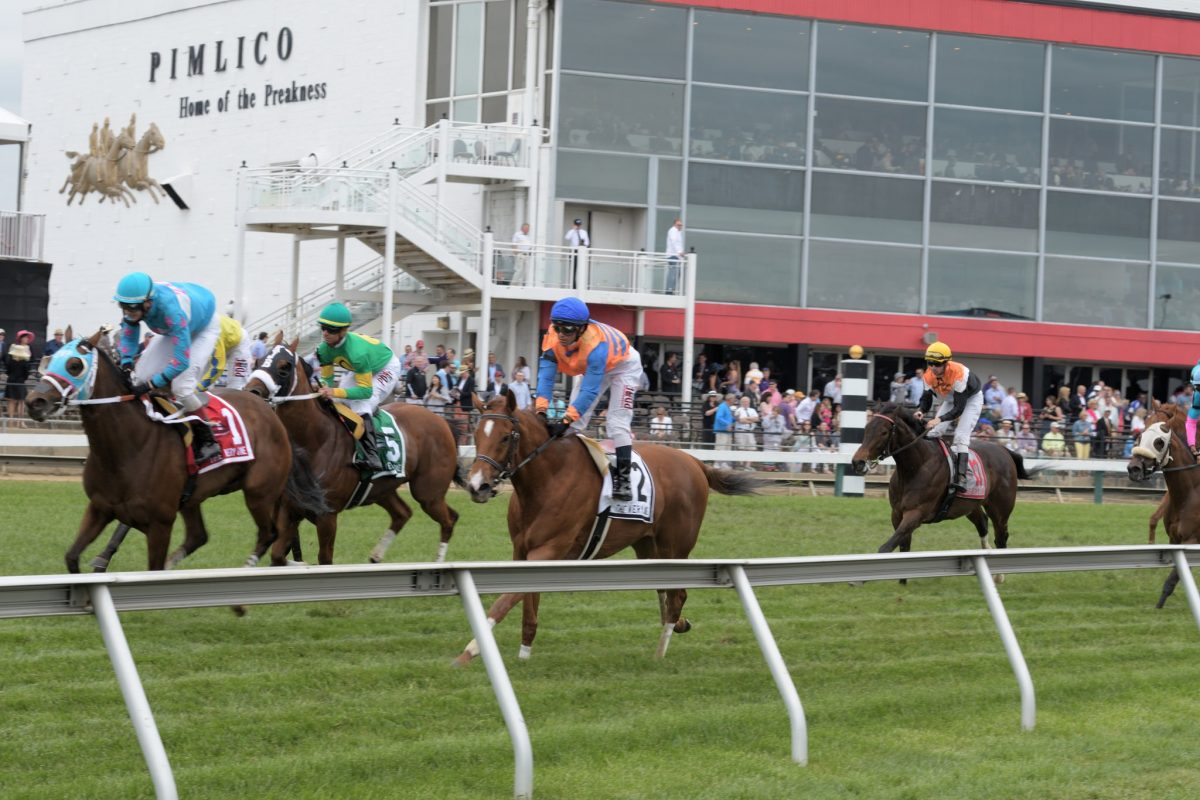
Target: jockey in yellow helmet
960, 398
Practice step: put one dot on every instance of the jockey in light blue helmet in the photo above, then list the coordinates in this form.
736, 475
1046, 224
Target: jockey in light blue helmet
1194, 412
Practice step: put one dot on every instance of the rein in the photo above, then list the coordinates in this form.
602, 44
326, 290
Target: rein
1184, 445
505, 470
887, 451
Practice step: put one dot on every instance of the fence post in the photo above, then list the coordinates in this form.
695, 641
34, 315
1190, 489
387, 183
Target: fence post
1098, 487
854, 420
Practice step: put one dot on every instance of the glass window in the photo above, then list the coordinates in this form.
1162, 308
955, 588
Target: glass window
1095, 292
441, 50
741, 125
613, 179
467, 50
436, 111
982, 284
1177, 164
993, 73
612, 114
1095, 225
862, 276
735, 198
1179, 231
723, 259
495, 46
986, 217
670, 181
991, 147
872, 62
465, 110
876, 137
520, 14
1181, 91
862, 207
1177, 298
625, 38
1086, 82
1100, 155
720, 42
495, 109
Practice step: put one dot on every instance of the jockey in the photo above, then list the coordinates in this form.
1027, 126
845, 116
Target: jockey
230, 356
184, 315
959, 393
578, 345
371, 373
1193, 412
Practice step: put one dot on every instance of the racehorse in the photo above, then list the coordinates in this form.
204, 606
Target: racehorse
136, 470
430, 458
556, 493
917, 490
1163, 442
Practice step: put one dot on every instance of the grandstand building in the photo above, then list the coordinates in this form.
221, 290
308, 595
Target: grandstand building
1018, 179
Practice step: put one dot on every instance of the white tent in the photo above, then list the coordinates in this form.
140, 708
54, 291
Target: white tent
13, 129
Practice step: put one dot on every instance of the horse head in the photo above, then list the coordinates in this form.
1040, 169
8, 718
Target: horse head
497, 444
1152, 451
279, 373
71, 374
891, 428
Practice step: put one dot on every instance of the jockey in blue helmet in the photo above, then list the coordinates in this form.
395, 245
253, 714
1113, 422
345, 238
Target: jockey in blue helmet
184, 315
578, 345
1193, 412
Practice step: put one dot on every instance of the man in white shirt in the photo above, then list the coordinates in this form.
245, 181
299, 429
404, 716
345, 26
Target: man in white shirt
577, 236
661, 425
520, 389
675, 255
522, 248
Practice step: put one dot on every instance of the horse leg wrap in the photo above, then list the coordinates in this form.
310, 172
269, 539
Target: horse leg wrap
441, 553
99, 564
174, 559
525, 652
665, 639
252, 560
385, 542
472, 648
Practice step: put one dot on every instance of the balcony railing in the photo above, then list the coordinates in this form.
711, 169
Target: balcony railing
22, 235
554, 266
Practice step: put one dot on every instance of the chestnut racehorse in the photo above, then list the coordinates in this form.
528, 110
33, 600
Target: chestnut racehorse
556, 494
136, 470
1163, 446
430, 456
917, 490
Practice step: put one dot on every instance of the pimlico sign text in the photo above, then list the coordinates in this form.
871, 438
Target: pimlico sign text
238, 53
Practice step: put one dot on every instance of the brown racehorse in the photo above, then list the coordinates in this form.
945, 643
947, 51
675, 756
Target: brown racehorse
1163, 446
556, 493
917, 489
430, 457
136, 470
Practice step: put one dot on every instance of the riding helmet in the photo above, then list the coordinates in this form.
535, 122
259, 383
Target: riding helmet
570, 309
938, 353
335, 315
136, 287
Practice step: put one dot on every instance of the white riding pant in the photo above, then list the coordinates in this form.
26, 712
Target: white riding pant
964, 425
382, 386
238, 363
158, 355
622, 382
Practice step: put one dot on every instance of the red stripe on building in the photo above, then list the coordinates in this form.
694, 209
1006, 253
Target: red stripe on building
1007, 18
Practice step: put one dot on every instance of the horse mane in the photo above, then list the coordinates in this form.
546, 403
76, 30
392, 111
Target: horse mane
106, 361
1172, 415
901, 413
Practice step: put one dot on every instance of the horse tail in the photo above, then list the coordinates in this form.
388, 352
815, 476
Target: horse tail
303, 489
1023, 473
724, 481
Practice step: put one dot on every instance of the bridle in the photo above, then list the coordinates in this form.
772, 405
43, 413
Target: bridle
1160, 460
887, 451
268, 380
507, 470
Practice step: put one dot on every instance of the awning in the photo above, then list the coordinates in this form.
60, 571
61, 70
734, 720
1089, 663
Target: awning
13, 129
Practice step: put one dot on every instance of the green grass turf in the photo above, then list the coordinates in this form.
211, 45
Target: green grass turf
907, 689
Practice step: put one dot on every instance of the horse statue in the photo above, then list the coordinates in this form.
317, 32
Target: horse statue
1163, 443
100, 173
918, 490
430, 456
136, 471
555, 511
135, 169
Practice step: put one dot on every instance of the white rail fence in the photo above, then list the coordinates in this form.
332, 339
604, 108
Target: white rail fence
105, 595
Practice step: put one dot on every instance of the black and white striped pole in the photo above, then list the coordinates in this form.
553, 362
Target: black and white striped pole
854, 417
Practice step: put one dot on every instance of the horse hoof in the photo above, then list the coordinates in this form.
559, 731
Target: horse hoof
374, 559
462, 660
238, 611
857, 584
683, 626
998, 580
99, 564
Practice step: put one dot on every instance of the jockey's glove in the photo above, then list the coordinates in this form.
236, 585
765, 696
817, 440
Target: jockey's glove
140, 388
558, 428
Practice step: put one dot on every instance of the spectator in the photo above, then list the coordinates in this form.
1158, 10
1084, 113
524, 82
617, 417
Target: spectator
898, 391
415, 386
1027, 444
833, 389
773, 428
671, 375
660, 425
54, 345
1051, 412
1006, 436
723, 428
808, 407
708, 413
258, 350
916, 387
1052, 443
437, 397
521, 391
522, 249
993, 396
496, 387
1010, 407
803, 442
18, 361
700, 373
745, 421
493, 367
523, 366
675, 255
1078, 402
1082, 432
1024, 408
753, 374
1137, 424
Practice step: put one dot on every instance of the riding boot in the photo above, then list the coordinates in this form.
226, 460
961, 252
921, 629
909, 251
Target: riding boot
960, 471
370, 455
621, 488
203, 444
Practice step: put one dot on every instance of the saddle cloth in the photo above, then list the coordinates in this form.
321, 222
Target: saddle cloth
389, 438
977, 481
641, 507
228, 429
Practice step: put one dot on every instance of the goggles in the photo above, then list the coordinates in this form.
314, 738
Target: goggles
566, 328
331, 328
132, 306
935, 363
